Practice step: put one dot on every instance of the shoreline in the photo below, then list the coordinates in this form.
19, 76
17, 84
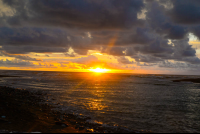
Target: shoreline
22, 111
25, 111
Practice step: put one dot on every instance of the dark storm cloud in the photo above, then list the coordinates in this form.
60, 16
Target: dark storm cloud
178, 50
129, 51
195, 30
146, 58
172, 65
185, 11
27, 49
159, 46
122, 38
101, 14
178, 65
33, 36
183, 49
192, 60
110, 26
161, 24
115, 51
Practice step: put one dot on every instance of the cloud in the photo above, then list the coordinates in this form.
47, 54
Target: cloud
159, 22
113, 27
22, 57
27, 49
86, 14
35, 36
124, 60
178, 65
185, 12
146, 58
16, 63
85, 60
158, 46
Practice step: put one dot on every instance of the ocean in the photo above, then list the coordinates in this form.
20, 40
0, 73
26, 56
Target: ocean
135, 102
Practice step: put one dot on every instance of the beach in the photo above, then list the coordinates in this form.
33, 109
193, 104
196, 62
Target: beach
22, 111
25, 111
66, 102
99, 66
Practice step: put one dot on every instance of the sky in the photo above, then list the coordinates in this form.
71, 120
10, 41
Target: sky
125, 36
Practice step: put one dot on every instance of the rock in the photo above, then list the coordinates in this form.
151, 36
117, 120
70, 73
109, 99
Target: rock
73, 122
77, 126
3, 121
100, 129
105, 131
88, 124
61, 124
3, 117
87, 118
81, 128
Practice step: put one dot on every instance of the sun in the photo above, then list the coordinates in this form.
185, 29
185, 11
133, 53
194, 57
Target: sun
99, 70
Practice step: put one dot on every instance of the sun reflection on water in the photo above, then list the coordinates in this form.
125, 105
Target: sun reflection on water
92, 85
95, 105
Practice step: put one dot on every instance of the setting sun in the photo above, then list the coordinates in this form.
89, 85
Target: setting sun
99, 70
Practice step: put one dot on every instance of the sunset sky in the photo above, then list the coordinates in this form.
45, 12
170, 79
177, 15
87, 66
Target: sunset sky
133, 36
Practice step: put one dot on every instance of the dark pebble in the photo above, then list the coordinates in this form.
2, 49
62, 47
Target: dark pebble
73, 122
100, 129
81, 128
3, 121
77, 126
61, 124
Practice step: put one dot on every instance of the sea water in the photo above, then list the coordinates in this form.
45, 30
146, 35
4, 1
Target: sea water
139, 102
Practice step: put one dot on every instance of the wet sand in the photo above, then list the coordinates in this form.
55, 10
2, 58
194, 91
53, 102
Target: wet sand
21, 111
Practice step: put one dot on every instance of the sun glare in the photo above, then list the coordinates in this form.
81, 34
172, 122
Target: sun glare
99, 70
